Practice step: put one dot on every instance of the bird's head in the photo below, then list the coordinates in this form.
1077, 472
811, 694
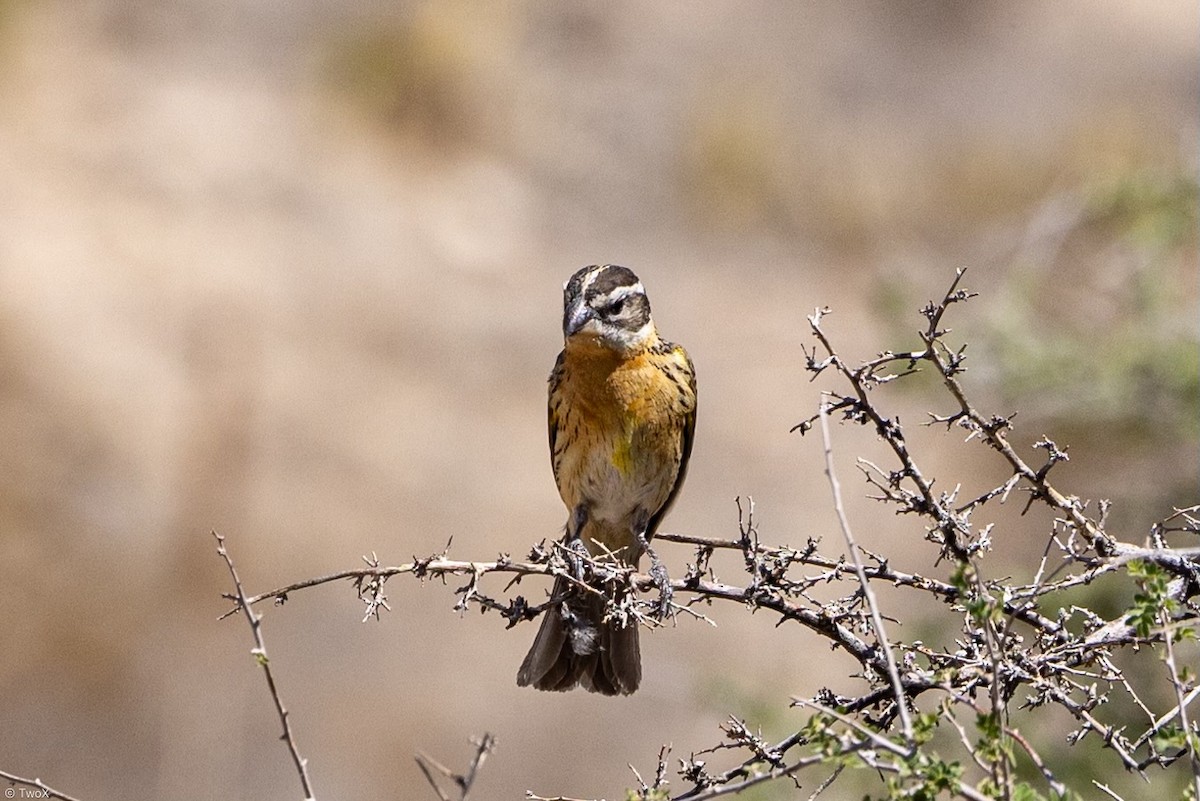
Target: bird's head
606, 305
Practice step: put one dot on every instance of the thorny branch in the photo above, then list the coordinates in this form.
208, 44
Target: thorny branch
1010, 648
861, 573
260, 655
40, 788
463, 782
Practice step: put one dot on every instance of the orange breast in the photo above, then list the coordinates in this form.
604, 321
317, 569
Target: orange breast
624, 428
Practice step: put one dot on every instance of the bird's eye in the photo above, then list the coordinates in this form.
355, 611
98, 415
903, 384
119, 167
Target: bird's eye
616, 306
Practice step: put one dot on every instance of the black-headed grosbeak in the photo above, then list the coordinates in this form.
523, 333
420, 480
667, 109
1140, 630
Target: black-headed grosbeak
622, 412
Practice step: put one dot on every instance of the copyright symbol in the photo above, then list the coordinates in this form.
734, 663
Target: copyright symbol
9, 793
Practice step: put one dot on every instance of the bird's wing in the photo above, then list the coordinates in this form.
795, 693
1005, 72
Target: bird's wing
554, 413
688, 376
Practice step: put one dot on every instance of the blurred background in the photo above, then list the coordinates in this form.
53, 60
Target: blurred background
292, 271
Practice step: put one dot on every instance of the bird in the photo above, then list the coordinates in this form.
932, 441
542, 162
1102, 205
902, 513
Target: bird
622, 414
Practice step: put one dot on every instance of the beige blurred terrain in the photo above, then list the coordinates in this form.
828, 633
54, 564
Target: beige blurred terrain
292, 272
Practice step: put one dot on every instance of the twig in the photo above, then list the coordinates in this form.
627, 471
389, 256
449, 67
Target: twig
42, 789
1107, 790
882, 743
1165, 718
1022, 611
428, 764
369, 580
1190, 737
868, 593
725, 785
829, 780
817, 619
420, 568
463, 781
260, 655
484, 746
1056, 786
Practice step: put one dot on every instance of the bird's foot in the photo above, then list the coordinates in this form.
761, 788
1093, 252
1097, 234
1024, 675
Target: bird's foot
662, 581
577, 552
577, 557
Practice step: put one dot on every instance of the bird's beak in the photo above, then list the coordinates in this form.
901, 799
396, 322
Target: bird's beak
576, 318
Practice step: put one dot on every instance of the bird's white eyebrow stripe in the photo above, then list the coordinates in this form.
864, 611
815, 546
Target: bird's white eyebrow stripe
626, 291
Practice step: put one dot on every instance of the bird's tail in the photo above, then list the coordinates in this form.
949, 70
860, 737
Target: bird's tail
576, 646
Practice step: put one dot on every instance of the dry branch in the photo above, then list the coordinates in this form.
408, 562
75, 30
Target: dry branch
259, 652
1006, 646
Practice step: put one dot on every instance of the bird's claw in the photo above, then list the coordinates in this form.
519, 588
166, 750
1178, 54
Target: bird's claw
577, 556
662, 581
